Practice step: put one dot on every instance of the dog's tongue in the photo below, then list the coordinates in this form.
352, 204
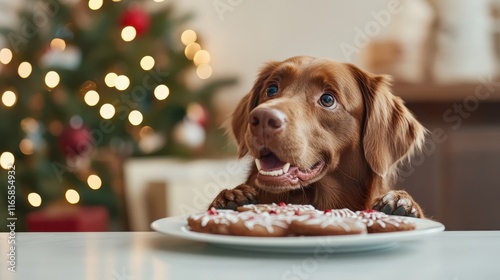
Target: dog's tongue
271, 162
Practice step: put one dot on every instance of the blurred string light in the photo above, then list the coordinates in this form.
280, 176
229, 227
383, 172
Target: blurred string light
56, 127
94, 182
146, 131
191, 50
161, 92
95, 4
128, 33
9, 98
188, 37
29, 125
5, 55
52, 79
122, 82
201, 57
135, 117
34, 199
110, 79
7, 160
91, 98
204, 71
158, 1
147, 63
107, 111
58, 44
26, 147
72, 196
24, 69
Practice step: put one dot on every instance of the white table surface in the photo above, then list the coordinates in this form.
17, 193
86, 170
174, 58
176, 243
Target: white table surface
151, 255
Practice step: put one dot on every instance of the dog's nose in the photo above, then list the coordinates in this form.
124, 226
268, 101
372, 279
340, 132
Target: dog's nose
266, 120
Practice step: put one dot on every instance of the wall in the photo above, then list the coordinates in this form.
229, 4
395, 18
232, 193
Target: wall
241, 35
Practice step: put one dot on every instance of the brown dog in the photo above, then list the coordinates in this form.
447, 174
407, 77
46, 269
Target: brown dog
323, 133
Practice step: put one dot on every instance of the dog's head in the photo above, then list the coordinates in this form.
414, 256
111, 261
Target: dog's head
305, 117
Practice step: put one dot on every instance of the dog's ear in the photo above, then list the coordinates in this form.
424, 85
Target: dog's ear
239, 122
390, 133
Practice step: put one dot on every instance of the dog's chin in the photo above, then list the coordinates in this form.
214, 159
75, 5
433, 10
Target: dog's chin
294, 178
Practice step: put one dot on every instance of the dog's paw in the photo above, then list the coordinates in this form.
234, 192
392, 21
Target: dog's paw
231, 199
398, 203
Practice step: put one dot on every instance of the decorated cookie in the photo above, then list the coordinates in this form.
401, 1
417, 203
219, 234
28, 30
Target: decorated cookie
280, 208
340, 213
212, 221
324, 224
380, 222
260, 224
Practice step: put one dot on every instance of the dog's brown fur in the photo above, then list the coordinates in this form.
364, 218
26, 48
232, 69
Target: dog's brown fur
360, 142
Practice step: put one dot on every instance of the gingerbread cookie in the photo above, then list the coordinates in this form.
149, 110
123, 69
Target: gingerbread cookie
340, 213
377, 222
280, 208
260, 224
324, 224
212, 221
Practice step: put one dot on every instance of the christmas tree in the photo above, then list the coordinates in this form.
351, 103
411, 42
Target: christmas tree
85, 84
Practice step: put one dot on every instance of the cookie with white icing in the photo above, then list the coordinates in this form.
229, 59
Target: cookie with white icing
323, 224
340, 213
212, 221
377, 222
260, 224
280, 208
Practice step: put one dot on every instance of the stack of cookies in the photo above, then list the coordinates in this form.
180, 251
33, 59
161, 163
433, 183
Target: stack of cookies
275, 220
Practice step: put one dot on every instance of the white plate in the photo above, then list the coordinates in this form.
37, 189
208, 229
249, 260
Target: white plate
177, 226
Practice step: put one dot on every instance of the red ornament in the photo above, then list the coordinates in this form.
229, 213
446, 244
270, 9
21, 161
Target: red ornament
137, 18
199, 114
75, 141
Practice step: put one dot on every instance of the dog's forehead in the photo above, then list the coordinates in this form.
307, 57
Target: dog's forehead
307, 73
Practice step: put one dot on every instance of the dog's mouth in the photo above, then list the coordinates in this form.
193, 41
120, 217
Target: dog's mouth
278, 176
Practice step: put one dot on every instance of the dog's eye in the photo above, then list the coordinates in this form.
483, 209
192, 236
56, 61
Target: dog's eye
272, 90
327, 100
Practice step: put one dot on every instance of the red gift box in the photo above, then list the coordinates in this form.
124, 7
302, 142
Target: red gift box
69, 218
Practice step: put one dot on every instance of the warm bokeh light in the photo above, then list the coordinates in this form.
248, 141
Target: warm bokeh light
204, 71
128, 33
110, 79
9, 98
26, 147
201, 57
147, 63
52, 79
94, 182
58, 44
145, 131
34, 199
7, 160
107, 111
72, 196
191, 50
29, 125
24, 69
158, 1
5, 55
122, 82
135, 117
56, 128
95, 4
91, 97
161, 92
188, 37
